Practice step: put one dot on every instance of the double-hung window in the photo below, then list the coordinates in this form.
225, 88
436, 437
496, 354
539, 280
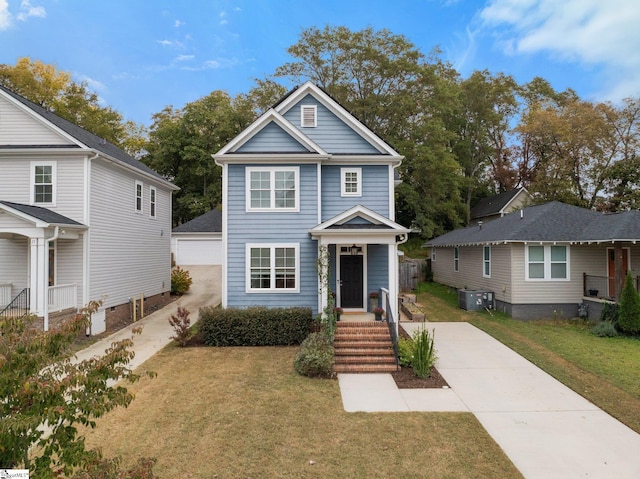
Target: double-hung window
138, 191
547, 262
272, 268
486, 261
43, 183
456, 259
351, 181
152, 201
273, 189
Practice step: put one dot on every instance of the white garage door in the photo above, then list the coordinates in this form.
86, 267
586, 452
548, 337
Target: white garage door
198, 251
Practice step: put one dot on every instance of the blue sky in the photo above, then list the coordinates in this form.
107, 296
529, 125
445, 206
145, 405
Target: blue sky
141, 55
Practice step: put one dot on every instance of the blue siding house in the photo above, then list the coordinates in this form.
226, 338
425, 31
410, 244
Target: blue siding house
304, 178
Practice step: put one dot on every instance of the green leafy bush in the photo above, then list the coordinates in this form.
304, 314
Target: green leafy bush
315, 358
255, 326
605, 329
629, 315
610, 313
424, 356
406, 349
180, 281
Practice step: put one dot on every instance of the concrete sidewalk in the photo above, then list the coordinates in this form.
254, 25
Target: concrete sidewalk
205, 291
546, 429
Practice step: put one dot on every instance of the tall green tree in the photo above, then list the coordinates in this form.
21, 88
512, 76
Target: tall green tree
45, 85
400, 94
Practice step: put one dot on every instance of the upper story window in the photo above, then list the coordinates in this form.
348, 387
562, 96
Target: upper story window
308, 116
456, 259
138, 197
547, 262
486, 262
152, 201
272, 267
351, 180
273, 189
43, 182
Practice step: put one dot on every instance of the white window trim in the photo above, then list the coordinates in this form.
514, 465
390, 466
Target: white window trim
485, 262
433, 254
343, 182
547, 263
456, 259
304, 108
272, 247
272, 170
153, 202
32, 182
135, 197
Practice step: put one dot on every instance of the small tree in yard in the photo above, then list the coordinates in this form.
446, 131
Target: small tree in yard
45, 395
629, 313
181, 325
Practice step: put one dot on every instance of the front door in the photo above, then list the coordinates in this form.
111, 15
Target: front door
351, 281
611, 261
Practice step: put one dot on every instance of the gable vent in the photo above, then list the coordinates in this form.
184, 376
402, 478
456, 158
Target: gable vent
308, 116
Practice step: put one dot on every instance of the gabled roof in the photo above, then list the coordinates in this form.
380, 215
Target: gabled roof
84, 138
496, 204
358, 218
549, 222
39, 214
210, 222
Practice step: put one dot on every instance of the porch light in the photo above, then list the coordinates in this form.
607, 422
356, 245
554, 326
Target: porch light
355, 250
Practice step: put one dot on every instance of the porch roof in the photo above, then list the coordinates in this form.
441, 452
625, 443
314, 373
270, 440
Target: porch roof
43, 217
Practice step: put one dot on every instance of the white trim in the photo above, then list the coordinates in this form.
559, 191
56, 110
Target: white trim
272, 247
140, 197
153, 202
456, 259
303, 116
363, 212
225, 232
547, 263
486, 261
343, 182
32, 183
272, 192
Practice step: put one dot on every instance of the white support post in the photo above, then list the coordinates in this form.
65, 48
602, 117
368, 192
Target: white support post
393, 280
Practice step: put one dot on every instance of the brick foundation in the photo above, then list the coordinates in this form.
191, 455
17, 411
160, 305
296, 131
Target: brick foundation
117, 317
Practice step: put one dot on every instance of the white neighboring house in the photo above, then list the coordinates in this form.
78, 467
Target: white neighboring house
80, 219
199, 241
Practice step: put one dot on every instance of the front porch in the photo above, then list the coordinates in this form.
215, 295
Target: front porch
59, 298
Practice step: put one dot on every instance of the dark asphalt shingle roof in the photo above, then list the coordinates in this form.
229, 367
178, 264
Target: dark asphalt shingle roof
83, 136
210, 222
42, 214
492, 205
553, 221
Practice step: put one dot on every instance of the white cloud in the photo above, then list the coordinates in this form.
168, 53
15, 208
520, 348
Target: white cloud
223, 18
27, 10
165, 43
184, 58
93, 84
178, 23
5, 15
592, 32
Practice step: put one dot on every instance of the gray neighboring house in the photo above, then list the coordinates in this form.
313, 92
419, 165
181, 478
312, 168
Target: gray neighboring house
544, 260
80, 220
496, 206
199, 241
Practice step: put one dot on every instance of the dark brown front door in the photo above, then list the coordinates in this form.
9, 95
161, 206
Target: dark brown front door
351, 281
611, 261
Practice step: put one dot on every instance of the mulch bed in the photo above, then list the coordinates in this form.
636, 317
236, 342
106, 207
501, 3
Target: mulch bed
407, 379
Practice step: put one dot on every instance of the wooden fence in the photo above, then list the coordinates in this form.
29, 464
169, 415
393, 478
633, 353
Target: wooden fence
411, 272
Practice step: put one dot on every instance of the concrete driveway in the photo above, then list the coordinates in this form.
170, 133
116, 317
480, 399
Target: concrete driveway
205, 291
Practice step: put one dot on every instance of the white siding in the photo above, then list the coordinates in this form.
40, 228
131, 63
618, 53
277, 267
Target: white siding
129, 252
69, 264
20, 128
14, 256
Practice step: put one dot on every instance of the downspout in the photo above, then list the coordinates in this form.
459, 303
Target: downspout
47, 272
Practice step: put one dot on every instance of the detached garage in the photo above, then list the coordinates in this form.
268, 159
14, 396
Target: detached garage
199, 241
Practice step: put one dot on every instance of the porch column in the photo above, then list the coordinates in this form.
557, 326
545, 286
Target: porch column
323, 276
620, 269
38, 276
393, 280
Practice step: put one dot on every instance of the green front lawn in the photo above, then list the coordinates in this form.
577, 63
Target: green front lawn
603, 370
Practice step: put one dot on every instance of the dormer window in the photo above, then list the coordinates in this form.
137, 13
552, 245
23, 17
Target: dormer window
309, 116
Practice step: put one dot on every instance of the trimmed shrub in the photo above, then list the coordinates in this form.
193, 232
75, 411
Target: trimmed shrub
610, 313
424, 356
605, 329
629, 315
406, 349
180, 281
255, 326
315, 358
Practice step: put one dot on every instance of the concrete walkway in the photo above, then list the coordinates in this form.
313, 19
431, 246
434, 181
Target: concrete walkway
205, 291
546, 429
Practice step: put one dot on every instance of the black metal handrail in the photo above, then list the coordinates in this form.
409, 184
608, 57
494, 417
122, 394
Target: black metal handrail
393, 331
18, 307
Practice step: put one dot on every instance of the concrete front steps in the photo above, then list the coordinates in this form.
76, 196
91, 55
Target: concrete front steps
363, 348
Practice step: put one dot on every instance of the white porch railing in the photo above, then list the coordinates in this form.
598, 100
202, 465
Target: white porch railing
63, 296
5, 294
